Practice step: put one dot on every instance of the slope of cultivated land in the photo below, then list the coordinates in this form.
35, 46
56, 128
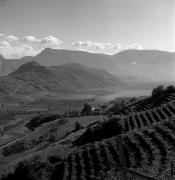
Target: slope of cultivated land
51, 134
141, 142
143, 103
151, 102
148, 151
122, 124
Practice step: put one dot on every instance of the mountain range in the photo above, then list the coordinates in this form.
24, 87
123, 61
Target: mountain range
9, 65
72, 71
31, 78
158, 66
153, 65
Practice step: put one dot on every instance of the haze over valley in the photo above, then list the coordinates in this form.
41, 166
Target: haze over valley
65, 70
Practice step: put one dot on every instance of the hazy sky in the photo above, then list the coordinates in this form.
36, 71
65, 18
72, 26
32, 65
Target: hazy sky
101, 24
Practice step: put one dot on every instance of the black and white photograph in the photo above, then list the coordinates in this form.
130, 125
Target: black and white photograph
87, 89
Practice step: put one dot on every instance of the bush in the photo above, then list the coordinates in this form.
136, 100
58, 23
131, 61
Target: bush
1, 131
119, 105
78, 126
105, 129
16, 147
38, 120
32, 169
54, 159
86, 111
170, 89
58, 172
158, 91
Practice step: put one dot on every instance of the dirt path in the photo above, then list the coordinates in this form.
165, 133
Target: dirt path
12, 93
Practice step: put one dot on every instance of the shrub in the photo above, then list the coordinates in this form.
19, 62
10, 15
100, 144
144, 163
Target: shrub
158, 91
58, 172
32, 169
78, 126
170, 89
38, 120
86, 109
21, 172
1, 131
16, 147
105, 129
54, 159
118, 106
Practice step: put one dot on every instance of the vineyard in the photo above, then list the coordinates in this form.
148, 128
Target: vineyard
141, 143
147, 151
149, 103
148, 145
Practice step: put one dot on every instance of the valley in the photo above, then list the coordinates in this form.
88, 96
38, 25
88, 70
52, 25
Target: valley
70, 120
87, 90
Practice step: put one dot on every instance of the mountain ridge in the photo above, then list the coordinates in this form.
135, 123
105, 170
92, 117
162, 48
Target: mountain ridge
32, 77
151, 64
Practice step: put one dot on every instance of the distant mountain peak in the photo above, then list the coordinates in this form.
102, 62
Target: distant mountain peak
30, 66
47, 50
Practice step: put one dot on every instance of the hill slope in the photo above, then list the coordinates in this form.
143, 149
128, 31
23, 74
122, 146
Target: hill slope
134, 64
153, 64
67, 77
77, 76
52, 57
8, 66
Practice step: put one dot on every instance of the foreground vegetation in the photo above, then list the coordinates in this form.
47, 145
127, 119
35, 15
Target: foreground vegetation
137, 135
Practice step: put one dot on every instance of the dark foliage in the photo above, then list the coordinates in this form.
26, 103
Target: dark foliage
54, 159
135, 150
32, 169
78, 126
58, 172
38, 120
118, 107
145, 146
160, 90
105, 129
21, 173
86, 111
18, 146
170, 89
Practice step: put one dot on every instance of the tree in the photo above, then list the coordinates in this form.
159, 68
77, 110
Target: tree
158, 90
170, 89
1, 131
117, 108
78, 126
65, 113
86, 109
103, 107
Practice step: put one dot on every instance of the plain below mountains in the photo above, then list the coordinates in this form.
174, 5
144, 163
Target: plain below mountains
32, 77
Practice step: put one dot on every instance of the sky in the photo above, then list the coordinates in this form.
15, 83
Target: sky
103, 26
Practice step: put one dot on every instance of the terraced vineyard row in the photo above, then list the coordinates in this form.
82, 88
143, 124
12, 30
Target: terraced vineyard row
146, 118
122, 124
88, 161
150, 103
146, 151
